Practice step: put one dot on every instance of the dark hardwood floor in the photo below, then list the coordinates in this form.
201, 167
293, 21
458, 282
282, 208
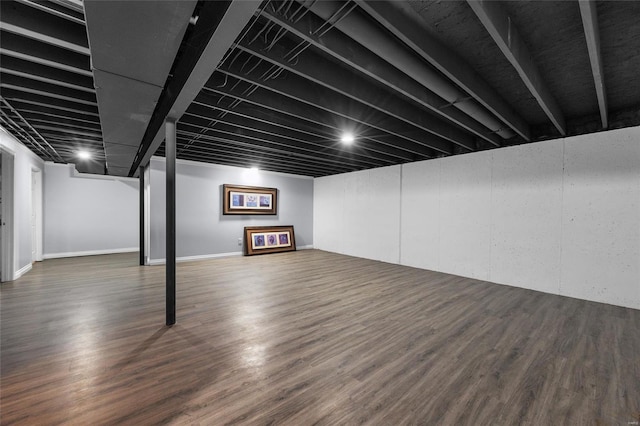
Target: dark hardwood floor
305, 338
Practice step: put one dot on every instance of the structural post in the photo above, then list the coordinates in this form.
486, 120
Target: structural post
170, 153
142, 209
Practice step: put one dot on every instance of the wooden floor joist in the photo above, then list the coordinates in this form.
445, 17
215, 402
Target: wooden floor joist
304, 338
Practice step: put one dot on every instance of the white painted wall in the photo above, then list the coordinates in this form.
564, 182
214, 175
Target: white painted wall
202, 231
359, 213
24, 162
88, 214
601, 218
559, 216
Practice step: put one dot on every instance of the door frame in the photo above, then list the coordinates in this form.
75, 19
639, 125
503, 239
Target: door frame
7, 258
36, 204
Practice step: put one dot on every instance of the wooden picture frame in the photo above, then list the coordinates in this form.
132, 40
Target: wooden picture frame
239, 199
268, 239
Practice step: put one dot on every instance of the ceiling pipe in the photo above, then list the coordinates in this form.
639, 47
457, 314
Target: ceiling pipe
365, 32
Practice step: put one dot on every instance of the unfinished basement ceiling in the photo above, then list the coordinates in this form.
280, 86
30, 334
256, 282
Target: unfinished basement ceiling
412, 80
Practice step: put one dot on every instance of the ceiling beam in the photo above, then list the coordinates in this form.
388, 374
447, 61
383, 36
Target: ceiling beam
592, 35
130, 77
504, 32
350, 53
399, 18
218, 26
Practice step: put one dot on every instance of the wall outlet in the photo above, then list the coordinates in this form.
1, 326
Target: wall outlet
239, 241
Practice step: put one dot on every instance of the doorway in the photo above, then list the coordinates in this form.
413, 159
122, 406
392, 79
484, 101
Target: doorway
36, 215
6, 215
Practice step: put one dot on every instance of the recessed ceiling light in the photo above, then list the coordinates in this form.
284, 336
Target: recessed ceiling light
347, 138
84, 155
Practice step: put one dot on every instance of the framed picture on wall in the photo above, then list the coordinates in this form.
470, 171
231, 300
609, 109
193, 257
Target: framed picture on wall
268, 239
239, 199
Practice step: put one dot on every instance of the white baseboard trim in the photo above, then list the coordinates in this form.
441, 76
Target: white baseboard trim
89, 253
198, 257
22, 271
209, 256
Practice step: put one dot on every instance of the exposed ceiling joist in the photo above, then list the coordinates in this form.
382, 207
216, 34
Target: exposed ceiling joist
240, 156
334, 103
271, 118
387, 144
366, 33
261, 143
54, 97
269, 109
41, 53
75, 5
399, 19
54, 90
61, 123
350, 53
592, 35
505, 33
36, 112
278, 136
71, 14
37, 140
311, 66
37, 24
45, 73
51, 103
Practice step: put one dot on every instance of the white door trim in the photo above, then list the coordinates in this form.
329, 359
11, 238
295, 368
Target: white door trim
37, 206
8, 265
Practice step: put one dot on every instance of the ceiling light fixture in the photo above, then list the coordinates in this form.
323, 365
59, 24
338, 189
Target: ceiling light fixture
84, 155
347, 138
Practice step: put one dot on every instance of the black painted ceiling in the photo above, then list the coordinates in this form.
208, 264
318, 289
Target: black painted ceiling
412, 80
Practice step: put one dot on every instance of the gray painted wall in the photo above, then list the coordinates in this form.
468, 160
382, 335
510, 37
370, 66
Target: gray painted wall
88, 214
201, 228
24, 162
561, 216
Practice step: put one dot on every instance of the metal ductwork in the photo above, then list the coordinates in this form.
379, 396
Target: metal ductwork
133, 46
356, 25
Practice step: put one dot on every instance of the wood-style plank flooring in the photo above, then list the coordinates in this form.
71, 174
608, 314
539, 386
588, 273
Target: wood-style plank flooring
305, 338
